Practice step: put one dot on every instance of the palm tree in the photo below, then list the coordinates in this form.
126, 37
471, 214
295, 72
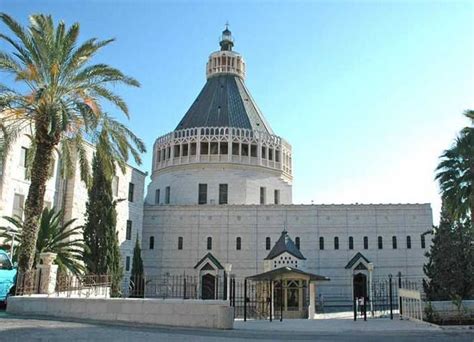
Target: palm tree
62, 106
455, 174
54, 237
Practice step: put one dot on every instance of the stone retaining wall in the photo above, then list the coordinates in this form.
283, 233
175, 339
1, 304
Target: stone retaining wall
174, 312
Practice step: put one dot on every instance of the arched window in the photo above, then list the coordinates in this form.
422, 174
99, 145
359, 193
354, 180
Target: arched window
408, 242
336, 242
297, 242
152, 242
268, 243
238, 243
321, 243
380, 242
366, 242
394, 242
423, 242
209, 243
351, 242
180, 242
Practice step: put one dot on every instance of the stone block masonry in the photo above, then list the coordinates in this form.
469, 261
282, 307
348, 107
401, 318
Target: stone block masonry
172, 312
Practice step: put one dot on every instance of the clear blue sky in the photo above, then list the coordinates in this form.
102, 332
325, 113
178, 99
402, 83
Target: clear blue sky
369, 93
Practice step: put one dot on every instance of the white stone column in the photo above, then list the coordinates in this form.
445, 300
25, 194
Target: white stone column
47, 273
312, 300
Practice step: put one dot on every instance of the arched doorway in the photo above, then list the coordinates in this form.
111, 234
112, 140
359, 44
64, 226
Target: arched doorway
360, 285
208, 286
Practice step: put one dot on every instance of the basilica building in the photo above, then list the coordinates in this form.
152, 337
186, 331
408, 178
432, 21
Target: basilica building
221, 195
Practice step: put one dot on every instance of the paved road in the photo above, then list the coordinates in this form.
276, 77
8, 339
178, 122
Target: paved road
26, 329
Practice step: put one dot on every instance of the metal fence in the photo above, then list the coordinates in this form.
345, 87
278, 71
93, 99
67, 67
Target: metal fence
167, 286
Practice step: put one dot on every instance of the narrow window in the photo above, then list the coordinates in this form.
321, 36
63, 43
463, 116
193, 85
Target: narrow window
321, 243
18, 205
262, 195
336, 242
253, 150
185, 150
297, 242
180, 242
131, 189
277, 156
238, 244
270, 154
351, 242
204, 148
394, 242
268, 243
202, 198
127, 263
214, 147
167, 195
209, 243
366, 242
277, 197
152, 242
224, 149
24, 156
245, 150
128, 232
264, 152
177, 151
193, 149
235, 149
380, 242
408, 242
423, 242
157, 196
223, 193
115, 185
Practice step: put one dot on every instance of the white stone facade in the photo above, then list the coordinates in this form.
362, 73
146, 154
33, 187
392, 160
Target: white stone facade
254, 223
71, 195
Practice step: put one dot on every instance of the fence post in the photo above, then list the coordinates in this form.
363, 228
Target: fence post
365, 308
390, 295
400, 306
270, 301
281, 301
245, 300
184, 287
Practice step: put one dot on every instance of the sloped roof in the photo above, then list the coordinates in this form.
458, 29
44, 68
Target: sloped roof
285, 244
278, 272
356, 258
224, 102
212, 259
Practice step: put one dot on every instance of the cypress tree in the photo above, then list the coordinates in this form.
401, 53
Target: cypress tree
102, 253
136, 277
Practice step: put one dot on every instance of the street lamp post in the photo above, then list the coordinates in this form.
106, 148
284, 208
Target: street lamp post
228, 269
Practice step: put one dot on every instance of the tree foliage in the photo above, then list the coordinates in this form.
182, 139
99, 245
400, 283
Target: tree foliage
54, 236
137, 281
102, 254
60, 99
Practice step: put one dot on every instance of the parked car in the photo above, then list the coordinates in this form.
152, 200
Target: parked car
7, 276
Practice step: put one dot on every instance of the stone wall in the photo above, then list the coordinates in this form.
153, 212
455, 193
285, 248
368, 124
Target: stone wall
172, 312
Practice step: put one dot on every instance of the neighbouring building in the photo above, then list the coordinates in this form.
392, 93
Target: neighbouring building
70, 194
221, 193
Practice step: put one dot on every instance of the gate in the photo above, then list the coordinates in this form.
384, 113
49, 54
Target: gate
250, 299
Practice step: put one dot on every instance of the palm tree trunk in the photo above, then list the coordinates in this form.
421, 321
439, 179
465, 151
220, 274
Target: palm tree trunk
35, 199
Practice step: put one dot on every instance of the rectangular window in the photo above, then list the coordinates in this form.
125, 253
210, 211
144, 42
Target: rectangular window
267, 243
131, 190
193, 149
336, 243
18, 205
115, 185
245, 150
185, 150
167, 195
223, 193
277, 197
270, 154
180, 242
235, 149
224, 149
423, 242
321, 243
408, 242
277, 156
127, 263
157, 196
23, 156
366, 242
202, 198
214, 148
380, 242
262, 195
253, 150
264, 152
128, 232
204, 148
351, 242
394, 242
177, 151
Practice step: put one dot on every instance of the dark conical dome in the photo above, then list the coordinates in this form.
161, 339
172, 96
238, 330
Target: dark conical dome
225, 102
285, 244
